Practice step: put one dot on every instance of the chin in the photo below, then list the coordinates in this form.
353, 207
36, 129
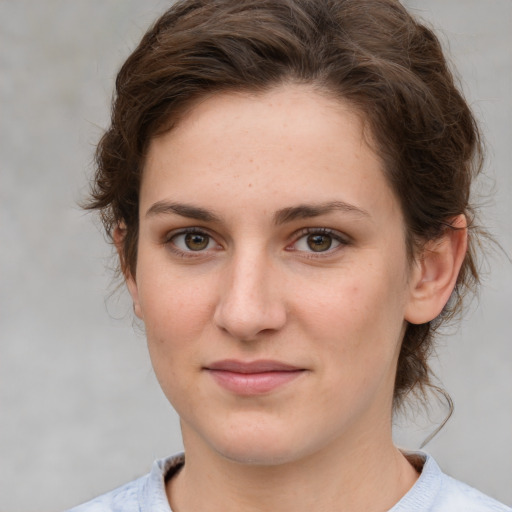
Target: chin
254, 456
260, 447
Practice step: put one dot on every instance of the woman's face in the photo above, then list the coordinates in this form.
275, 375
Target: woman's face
272, 276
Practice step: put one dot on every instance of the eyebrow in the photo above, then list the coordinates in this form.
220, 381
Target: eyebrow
282, 216
307, 211
184, 210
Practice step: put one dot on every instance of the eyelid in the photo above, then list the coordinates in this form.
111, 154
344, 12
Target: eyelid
343, 239
168, 241
340, 237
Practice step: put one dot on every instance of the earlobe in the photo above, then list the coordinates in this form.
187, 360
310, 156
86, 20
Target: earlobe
435, 274
118, 237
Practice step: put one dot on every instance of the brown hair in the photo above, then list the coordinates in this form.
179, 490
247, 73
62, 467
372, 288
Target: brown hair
372, 53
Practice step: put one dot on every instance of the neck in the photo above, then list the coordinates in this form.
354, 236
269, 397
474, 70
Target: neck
345, 476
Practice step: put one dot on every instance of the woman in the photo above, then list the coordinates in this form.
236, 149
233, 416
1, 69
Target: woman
287, 184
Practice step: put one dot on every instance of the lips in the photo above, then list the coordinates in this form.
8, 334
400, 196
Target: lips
254, 377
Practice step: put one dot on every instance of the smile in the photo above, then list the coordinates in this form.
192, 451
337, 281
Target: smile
252, 378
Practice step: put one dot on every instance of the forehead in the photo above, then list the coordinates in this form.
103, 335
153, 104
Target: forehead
274, 147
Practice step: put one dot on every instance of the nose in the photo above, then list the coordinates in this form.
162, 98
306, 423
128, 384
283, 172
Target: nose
250, 300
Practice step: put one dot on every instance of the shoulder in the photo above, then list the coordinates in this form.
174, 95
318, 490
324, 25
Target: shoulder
435, 491
145, 494
455, 495
123, 499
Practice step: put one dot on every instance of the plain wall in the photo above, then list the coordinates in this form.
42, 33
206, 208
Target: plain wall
80, 411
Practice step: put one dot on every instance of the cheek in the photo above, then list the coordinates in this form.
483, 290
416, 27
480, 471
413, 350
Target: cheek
358, 313
176, 315
343, 302
174, 308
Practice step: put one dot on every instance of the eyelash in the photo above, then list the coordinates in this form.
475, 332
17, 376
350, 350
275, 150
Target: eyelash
169, 242
336, 236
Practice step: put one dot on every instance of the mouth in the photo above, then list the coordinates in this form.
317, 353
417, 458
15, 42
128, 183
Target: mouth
254, 377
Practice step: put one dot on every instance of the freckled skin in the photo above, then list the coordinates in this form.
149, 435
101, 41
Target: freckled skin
341, 317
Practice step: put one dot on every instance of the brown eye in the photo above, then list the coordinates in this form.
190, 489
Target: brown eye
319, 240
319, 243
192, 243
196, 241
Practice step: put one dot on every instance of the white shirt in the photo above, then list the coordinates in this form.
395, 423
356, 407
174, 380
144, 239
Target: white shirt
433, 492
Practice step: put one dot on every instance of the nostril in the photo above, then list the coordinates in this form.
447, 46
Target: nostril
250, 303
245, 323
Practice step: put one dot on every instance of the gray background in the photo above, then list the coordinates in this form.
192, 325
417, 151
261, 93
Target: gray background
80, 411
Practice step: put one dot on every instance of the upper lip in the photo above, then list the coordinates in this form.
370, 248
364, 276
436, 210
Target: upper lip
260, 366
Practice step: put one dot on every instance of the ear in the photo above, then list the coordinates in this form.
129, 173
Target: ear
118, 237
435, 273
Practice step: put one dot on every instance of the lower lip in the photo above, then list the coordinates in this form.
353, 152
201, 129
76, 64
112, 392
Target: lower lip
253, 383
